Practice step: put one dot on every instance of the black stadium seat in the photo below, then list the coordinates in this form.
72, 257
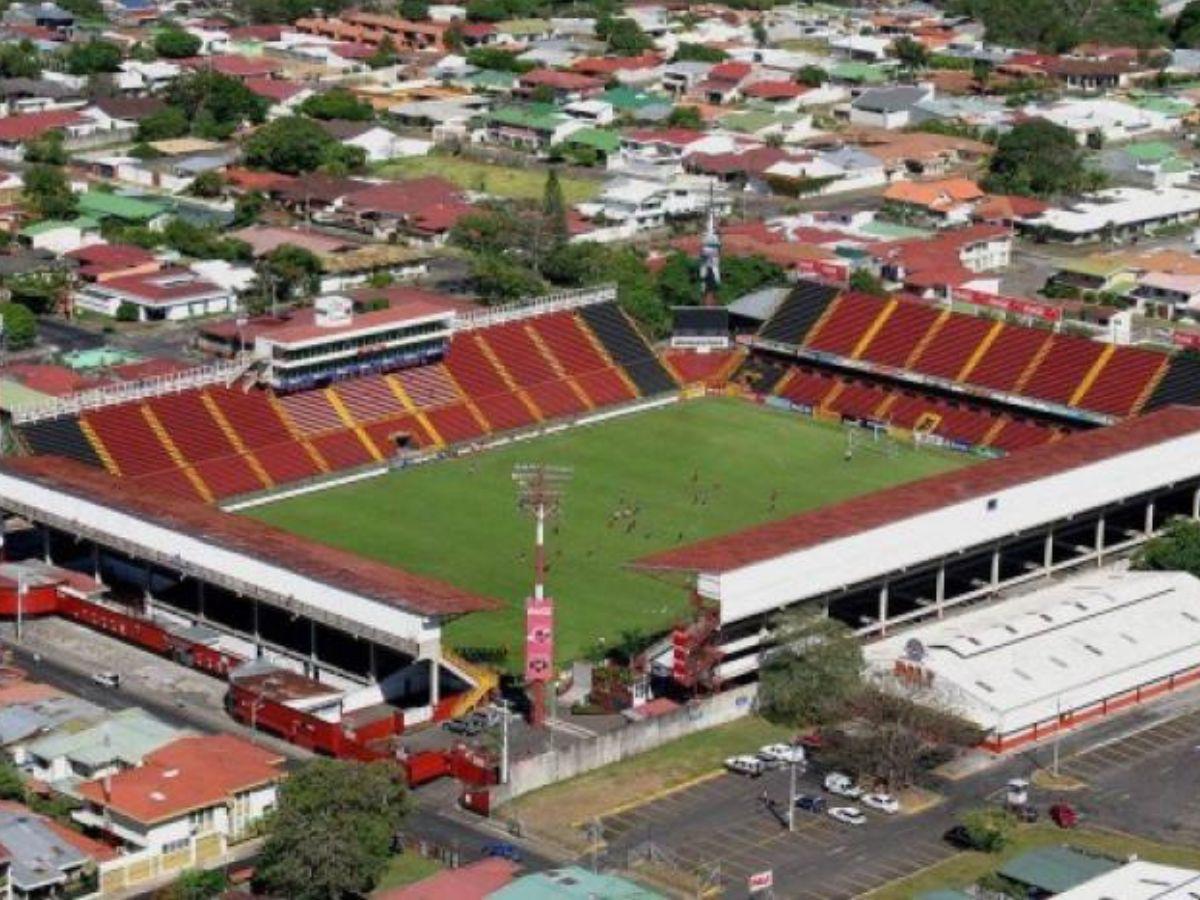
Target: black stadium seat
797, 314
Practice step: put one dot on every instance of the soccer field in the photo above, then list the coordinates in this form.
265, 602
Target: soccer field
641, 483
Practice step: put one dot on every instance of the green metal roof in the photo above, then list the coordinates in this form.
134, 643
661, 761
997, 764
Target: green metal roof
14, 395
126, 736
491, 78
624, 97
601, 138
105, 205
573, 883
84, 223
859, 71
1150, 151
752, 120
523, 26
1167, 106
538, 116
1056, 869
893, 230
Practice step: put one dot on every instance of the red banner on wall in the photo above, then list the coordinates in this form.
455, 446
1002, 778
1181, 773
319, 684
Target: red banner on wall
833, 271
539, 639
1034, 309
1187, 340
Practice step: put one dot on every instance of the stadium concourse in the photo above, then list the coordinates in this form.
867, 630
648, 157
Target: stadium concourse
913, 551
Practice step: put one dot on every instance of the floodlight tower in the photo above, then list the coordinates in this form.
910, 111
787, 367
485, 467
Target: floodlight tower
539, 494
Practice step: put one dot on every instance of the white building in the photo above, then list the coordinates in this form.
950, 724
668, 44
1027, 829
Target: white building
1112, 120
1056, 658
1138, 880
171, 294
1116, 213
647, 204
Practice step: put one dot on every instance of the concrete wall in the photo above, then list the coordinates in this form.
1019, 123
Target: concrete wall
575, 759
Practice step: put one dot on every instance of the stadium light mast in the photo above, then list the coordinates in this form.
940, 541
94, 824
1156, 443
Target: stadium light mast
539, 494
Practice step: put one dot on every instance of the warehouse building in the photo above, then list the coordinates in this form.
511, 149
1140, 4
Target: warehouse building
1055, 658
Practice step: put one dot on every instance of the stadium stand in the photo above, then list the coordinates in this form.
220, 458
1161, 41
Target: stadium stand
1181, 384
847, 325
1124, 385
952, 346
627, 348
1062, 371
799, 312
217, 442
901, 334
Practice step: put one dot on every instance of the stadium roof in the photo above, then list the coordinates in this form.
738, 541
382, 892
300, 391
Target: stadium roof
869, 511
310, 559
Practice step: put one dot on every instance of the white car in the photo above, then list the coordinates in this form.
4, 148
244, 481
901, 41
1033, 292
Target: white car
108, 679
745, 765
842, 785
882, 802
848, 815
784, 754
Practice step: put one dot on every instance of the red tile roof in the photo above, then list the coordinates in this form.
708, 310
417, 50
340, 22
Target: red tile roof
875, 510
234, 65
774, 90
561, 81
320, 562
678, 137
45, 378
610, 65
108, 257
166, 286
276, 90
472, 882
730, 71
400, 311
29, 126
189, 774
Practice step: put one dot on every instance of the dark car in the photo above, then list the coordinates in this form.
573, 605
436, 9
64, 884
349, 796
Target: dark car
1063, 815
502, 850
811, 803
959, 838
468, 726
1026, 813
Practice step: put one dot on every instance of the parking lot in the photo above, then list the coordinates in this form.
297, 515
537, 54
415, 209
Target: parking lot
721, 828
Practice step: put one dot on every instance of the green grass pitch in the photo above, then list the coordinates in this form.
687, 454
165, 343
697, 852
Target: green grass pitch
641, 483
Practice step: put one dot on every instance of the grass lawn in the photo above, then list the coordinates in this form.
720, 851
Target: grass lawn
407, 868
966, 868
503, 181
692, 470
554, 810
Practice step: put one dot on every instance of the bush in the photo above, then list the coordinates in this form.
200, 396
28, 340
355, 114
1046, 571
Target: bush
989, 828
127, 312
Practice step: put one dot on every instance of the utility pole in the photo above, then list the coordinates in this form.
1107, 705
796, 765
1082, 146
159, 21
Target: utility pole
540, 491
20, 602
792, 796
1057, 732
503, 741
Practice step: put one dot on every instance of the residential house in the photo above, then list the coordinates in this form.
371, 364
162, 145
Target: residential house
46, 15
679, 78
422, 209
46, 859
377, 142
944, 203
1164, 295
283, 94
640, 204
832, 171
118, 742
888, 107
17, 131
953, 259
170, 294
660, 152
563, 87
372, 28
1146, 164
1078, 74
30, 95
533, 126
59, 236
1115, 214
214, 784
1103, 120
723, 83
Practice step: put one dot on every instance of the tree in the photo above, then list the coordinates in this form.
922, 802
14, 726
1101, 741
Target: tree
39, 292
912, 54
293, 270
20, 331
20, 60
497, 60
1037, 158
92, 57
48, 192
577, 265
414, 10
759, 30
814, 670
175, 43
688, 52
338, 103
195, 884
685, 117
215, 104
492, 230
1177, 549
989, 828
12, 782
47, 149
127, 312
163, 124
1058, 25
294, 145
812, 76
867, 282
554, 210
623, 36
332, 834
384, 55
248, 208
1185, 30
207, 184
499, 279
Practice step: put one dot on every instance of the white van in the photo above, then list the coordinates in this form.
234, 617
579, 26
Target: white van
842, 785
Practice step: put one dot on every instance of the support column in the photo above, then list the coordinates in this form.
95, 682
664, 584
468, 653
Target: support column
996, 569
1196, 503
1149, 518
312, 650
258, 647
372, 671
147, 597
96, 573
1048, 552
435, 689
1100, 541
201, 598
883, 608
45, 543
939, 591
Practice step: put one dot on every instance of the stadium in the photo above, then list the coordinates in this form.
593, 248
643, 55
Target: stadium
330, 519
